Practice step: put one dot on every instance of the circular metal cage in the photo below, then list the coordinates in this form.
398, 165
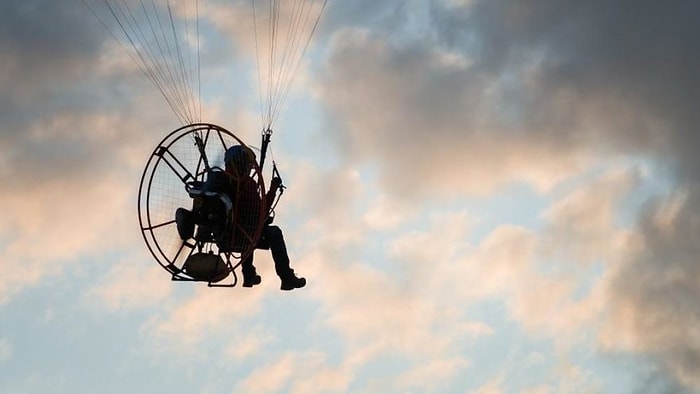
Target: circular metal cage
192, 231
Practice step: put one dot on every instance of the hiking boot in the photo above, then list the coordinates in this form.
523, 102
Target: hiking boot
291, 282
251, 280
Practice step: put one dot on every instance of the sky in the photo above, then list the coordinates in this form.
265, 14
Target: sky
485, 196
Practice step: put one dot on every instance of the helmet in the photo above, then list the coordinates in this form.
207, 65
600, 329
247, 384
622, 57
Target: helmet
240, 159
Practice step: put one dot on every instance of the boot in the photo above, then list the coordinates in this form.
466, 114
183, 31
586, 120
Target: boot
251, 280
250, 274
291, 282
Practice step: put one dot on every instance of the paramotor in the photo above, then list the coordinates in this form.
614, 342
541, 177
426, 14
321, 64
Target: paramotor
187, 226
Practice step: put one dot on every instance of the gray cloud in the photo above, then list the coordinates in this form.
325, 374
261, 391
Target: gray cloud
423, 113
45, 45
69, 106
655, 293
615, 77
71, 123
643, 55
489, 93
385, 16
500, 86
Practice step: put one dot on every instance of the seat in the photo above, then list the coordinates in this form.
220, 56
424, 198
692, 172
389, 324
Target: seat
211, 219
211, 213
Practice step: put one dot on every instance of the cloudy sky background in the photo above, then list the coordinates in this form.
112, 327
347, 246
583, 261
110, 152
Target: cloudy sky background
485, 196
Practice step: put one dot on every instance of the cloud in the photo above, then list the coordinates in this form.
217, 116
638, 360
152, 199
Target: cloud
639, 59
187, 322
296, 373
6, 351
427, 376
245, 346
272, 53
57, 224
45, 45
428, 271
559, 299
462, 100
584, 225
235, 20
128, 286
549, 86
627, 67
387, 306
69, 178
536, 91
541, 297
654, 290
432, 123
493, 387
73, 139
397, 311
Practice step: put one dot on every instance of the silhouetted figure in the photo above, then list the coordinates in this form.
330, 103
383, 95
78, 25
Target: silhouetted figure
243, 191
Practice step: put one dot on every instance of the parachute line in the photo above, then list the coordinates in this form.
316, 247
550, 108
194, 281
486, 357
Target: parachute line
257, 63
199, 64
160, 44
160, 37
291, 26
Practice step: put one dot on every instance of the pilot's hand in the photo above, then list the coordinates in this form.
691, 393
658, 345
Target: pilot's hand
275, 183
